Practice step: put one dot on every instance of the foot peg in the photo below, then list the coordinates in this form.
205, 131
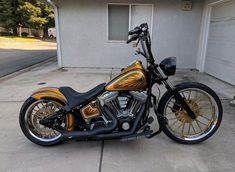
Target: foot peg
136, 136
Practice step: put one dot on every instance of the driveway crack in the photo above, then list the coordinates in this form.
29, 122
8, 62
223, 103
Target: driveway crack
101, 156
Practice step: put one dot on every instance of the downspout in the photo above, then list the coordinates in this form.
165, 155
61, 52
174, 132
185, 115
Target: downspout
58, 39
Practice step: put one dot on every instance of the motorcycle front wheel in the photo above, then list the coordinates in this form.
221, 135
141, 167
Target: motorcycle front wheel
206, 105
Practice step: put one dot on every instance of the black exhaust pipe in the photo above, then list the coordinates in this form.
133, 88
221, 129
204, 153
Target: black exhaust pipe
119, 135
99, 134
87, 134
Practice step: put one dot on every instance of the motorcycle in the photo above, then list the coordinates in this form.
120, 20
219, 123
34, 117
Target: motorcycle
188, 113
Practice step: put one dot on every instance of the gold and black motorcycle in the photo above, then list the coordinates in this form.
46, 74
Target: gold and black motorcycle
188, 113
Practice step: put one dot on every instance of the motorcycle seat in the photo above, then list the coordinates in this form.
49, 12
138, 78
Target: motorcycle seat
75, 98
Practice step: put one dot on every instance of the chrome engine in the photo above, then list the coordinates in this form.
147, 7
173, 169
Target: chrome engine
125, 106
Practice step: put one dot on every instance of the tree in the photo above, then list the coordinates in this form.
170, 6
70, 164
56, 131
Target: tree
37, 15
31, 15
48, 13
9, 15
28, 13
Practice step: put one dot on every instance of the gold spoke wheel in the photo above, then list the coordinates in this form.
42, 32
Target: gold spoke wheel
37, 111
181, 127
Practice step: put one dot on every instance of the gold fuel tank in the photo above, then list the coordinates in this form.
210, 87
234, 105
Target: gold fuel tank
133, 78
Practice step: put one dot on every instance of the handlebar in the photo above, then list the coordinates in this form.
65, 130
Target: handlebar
133, 38
136, 32
141, 33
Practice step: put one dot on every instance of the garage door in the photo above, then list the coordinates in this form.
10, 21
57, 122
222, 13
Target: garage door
220, 56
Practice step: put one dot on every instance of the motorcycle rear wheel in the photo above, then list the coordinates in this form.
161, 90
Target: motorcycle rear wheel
31, 113
207, 107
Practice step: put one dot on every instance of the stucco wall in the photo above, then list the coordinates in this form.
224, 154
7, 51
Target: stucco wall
83, 26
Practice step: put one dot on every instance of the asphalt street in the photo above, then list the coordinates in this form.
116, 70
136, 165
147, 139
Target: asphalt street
12, 60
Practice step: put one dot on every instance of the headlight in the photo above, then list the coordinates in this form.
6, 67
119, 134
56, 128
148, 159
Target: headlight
168, 65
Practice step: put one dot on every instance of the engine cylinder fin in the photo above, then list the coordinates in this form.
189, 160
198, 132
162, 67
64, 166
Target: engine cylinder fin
126, 106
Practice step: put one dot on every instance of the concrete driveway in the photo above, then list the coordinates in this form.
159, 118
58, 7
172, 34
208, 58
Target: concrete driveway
158, 154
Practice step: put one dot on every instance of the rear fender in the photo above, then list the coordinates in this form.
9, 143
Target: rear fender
54, 93
49, 92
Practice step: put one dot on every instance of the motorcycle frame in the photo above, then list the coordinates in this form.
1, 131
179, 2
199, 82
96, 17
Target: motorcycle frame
155, 75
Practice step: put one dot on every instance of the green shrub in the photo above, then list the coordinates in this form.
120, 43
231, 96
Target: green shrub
24, 34
6, 34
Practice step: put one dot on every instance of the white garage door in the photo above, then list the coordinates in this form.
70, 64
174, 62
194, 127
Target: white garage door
220, 57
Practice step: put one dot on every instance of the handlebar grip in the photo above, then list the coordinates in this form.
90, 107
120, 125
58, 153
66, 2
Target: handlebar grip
137, 30
128, 41
144, 25
133, 38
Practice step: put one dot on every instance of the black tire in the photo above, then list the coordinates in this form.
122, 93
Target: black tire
168, 95
24, 129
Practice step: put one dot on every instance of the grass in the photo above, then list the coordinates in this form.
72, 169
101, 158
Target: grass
17, 39
14, 42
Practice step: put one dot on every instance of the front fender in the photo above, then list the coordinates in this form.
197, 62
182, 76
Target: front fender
49, 92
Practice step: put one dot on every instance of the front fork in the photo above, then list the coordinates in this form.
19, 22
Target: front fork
162, 120
176, 94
